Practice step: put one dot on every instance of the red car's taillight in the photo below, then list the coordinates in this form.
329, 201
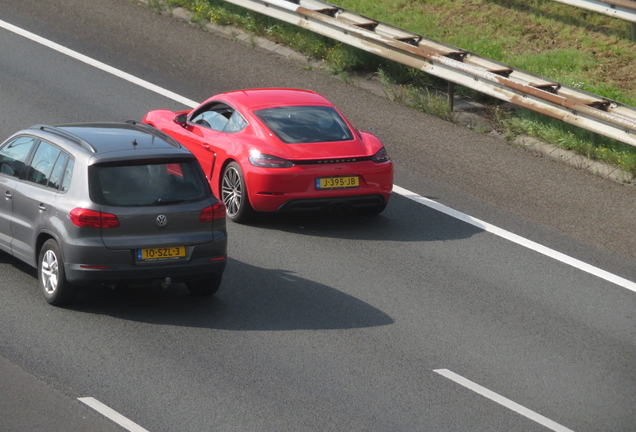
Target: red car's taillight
268, 161
380, 156
86, 218
212, 213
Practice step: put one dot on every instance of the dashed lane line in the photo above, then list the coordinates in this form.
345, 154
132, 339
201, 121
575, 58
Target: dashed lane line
113, 415
544, 421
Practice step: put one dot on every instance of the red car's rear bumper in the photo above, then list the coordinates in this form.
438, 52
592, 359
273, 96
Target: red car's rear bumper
280, 189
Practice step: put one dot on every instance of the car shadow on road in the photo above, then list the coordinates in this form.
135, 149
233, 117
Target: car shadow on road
6, 258
402, 220
250, 298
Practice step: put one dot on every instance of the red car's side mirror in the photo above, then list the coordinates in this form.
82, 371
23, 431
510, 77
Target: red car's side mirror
181, 119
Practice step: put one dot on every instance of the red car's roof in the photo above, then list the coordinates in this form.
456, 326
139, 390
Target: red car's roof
271, 97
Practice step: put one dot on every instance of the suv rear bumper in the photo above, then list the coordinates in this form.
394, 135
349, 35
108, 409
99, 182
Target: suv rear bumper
80, 274
93, 264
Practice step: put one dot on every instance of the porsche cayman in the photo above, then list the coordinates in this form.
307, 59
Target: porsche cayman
277, 150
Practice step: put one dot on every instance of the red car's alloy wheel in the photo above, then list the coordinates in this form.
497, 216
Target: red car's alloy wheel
234, 194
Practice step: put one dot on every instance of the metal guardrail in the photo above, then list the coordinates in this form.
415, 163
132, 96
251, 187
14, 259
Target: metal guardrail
571, 105
621, 9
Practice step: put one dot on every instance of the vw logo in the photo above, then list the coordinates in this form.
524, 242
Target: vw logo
162, 220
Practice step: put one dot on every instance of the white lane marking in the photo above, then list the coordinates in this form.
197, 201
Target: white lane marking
99, 65
503, 401
397, 189
625, 283
110, 413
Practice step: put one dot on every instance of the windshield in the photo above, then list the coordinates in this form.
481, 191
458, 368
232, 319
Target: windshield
305, 124
156, 183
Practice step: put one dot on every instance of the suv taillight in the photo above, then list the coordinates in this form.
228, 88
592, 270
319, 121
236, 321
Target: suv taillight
86, 218
212, 213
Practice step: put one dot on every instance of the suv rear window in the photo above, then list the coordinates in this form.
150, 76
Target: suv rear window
147, 184
305, 124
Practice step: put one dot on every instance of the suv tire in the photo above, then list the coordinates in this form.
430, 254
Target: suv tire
56, 289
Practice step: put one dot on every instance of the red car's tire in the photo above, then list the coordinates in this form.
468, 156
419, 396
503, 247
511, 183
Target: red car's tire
234, 194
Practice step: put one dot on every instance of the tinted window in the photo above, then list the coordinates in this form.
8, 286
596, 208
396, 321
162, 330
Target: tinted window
14, 154
235, 124
212, 120
68, 175
305, 124
148, 184
42, 163
219, 117
56, 173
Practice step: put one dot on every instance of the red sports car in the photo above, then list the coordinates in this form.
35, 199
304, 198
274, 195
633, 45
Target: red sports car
267, 150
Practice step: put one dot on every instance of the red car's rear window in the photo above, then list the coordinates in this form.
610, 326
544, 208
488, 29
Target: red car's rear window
305, 124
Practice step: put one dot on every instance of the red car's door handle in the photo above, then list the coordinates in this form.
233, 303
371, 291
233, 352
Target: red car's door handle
205, 146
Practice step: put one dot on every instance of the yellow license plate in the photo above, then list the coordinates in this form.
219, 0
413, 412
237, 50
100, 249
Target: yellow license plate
337, 182
160, 254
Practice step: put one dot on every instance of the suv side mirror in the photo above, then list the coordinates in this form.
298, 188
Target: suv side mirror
181, 119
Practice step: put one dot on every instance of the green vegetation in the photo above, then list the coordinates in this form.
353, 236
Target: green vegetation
579, 48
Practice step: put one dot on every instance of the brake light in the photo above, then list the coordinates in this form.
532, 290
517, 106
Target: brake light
380, 156
268, 161
212, 213
86, 218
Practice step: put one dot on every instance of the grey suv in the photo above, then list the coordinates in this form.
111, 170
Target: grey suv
109, 203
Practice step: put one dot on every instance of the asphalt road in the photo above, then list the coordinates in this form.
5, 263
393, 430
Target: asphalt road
322, 323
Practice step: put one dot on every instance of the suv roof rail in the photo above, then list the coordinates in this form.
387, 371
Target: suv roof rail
58, 131
156, 132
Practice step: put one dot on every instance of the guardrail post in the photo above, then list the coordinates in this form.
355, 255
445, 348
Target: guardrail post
451, 95
634, 31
